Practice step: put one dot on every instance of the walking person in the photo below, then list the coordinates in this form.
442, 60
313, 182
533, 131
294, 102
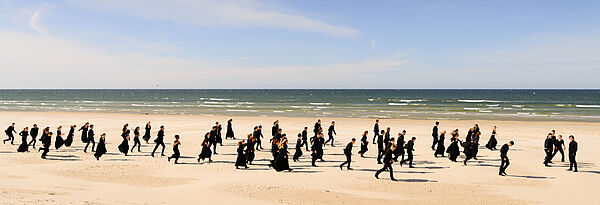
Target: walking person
176, 153
159, 141
330, 133
504, 157
34, 133
434, 134
410, 147
90, 138
572, 154
348, 153
9, 134
388, 161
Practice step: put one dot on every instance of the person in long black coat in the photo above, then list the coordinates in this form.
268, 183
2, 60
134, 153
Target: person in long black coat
348, 154
159, 141
124, 146
548, 148
59, 141
573, 147
219, 137
9, 134
147, 136
317, 149
250, 151
440, 145
469, 148
364, 144
453, 150
90, 139
380, 147
46, 142
136, 140
229, 133
213, 139
305, 138
400, 146
205, 153
176, 153
434, 134
492, 142
298, 152
84, 132
70, 135
34, 133
241, 155
282, 162
101, 148
24, 147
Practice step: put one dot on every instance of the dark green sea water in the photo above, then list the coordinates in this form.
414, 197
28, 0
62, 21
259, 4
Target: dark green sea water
571, 105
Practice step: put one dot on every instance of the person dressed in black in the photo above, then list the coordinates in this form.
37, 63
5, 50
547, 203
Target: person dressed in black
229, 134
317, 127
250, 151
469, 150
24, 147
469, 137
46, 142
219, 136
84, 132
278, 135
205, 152
548, 148
348, 153
440, 145
559, 146
274, 150
330, 133
136, 139
159, 141
34, 133
453, 149
259, 137
376, 131
241, 156
213, 139
504, 157
386, 138
434, 134
59, 141
317, 149
176, 153
298, 152
364, 144
388, 161
305, 138
90, 138
9, 134
282, 161
69, 139
491, 145
274, 129
147, 136
45, 132
572, 154
101, 148
400, 146
124, 146
455, 135
410, 147
380, 147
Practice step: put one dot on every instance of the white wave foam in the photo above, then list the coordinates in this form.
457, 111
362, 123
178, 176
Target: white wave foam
219, 99
588, 106
242, 110
320, 103
471, 108
480, 101
397, 103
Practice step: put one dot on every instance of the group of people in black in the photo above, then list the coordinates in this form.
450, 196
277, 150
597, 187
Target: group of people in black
389, 149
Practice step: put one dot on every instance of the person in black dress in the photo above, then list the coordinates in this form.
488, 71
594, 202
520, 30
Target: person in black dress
330, 133
241, 155
34, 133
469, 137
476, 137
59, 141
69, 139
440, 145
9, 134
388, 161
410, 147
434, 134
250, 149
282, 162
24, 147
136, 139
219, 138
400, 146
455, 135
159, 141
298, 152
101, 148
380, 147
124, 146
147, 136
176, 153
548, 148
559, 145
46, 142
317, 127
305, 138
453, 149
491, 145
376, 131
84, 132
469, 150
229, 133
572, 154
348, 153
364, 144
504, 157
205, 153
90, 139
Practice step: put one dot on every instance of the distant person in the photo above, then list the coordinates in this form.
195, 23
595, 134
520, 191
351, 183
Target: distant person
84, 132
24, 147
213, 139
101, 148
59, 141
259, 137
159, 141
453, 149
250, 149
219, 136
364, 144
348, 153
380, 147
136, 140
317, 127
386, 138
282, 161
176, 153
504, 158
434, 134
229, 134
34, 133
241, 155
317, 149
46, 142
299, 145
330, 133
440, 145
376, 131
548, 148
400, 146
90, 138
305, 138
69, 139
274, 129
205, 153
388, 161
572, 154
410, 147
491, 145
124, 146
147, 136
559, 146
469, 150
9, 134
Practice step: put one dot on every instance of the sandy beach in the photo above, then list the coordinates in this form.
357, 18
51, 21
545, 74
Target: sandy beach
70, 176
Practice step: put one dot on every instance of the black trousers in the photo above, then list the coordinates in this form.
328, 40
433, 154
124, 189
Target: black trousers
386, 166
258, 143
46, 150
90, 140
33, 140
408, 159
348, 161
504, 164
305, 143
435, 141
330, 138
10, 138
572, 161
156, 147
380, 152
548, 156
562, 153
136, 142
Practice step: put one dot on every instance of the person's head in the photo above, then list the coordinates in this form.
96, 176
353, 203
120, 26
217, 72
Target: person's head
276, 122
13, 124
404, 132
87, 123
249, 136
332, 122
560, 137
25, 129
365, 133
148, 123
59, 127
572, 138
305, 128
511, 143
284, 136
216, 123
299, 135
103, 135
162, 127
553, 132
255, 128
321, 135
377, 121
392, 140
72, 126
137, 128
388, 129
177, 137
279, 130
319, 120
494, 127
206, 135
91, 126
444, 132
230, 120
126, 125
260, 127
476, 125
382, 132
34, 125
353, 140
549, 135
214, 128
437, 123
414, 139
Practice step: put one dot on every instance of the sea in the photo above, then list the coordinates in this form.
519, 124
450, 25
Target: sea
439, 104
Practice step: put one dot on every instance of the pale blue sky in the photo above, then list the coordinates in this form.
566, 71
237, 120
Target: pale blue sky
299, 44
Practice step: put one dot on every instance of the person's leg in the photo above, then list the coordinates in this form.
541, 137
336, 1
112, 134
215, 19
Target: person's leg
349, 160
379, 171
389, 166
305, 142
501, 166
506, 165
214, 148
86, 146
154, 150
93, 145
410, 156
162, 153
562, 155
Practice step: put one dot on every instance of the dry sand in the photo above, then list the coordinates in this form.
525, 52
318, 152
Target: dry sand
73, 177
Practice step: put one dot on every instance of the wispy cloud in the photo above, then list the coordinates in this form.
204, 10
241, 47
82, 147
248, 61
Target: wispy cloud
35, 23
373, 44
232, 13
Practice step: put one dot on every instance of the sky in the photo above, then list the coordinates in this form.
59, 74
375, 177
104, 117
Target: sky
299, 44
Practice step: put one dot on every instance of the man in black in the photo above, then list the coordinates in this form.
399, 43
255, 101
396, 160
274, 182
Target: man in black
9, 133
213, 139
34, 133
376, 131
504, 157
348, 153
389, 160
331, 132
434, 134
548, 148
46, 142
469, 151
260, 136
386, 138
380, 147
400, 146
559, 144
274, 129
90, 139
161, 133
317, 149
410, 147
256, 137
305, 138
572, 154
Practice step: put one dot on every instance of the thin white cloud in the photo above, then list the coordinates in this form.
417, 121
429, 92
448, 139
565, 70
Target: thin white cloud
232, 13
35, 23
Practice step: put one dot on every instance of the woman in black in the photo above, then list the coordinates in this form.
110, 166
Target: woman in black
241, 156
364, 142
229, 133
250, 149
101, 148
560, 144
44, 134
69, 139
59, 142
219, 138
453, 150
24, 147
298, 153
146, 136
124, 146
136, 139
34, 133
282, 161
206, 152
440, 145
176, 153
491, 145
400, 146
454, 135
46, 142
84, 132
